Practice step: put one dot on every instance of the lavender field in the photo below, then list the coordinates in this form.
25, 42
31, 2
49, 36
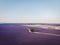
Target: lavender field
17, 34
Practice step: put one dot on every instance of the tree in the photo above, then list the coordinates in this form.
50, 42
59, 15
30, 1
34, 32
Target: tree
32, 30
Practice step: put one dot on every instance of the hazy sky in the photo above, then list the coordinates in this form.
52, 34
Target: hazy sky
29, 11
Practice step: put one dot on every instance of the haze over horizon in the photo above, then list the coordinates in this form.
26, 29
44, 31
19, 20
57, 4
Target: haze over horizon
30, 11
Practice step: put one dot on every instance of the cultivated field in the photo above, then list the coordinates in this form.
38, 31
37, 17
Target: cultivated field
15, 34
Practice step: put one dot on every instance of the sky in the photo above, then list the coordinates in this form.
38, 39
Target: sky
30, 11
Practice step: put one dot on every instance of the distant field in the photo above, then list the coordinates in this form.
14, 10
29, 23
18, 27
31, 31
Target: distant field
18, 34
